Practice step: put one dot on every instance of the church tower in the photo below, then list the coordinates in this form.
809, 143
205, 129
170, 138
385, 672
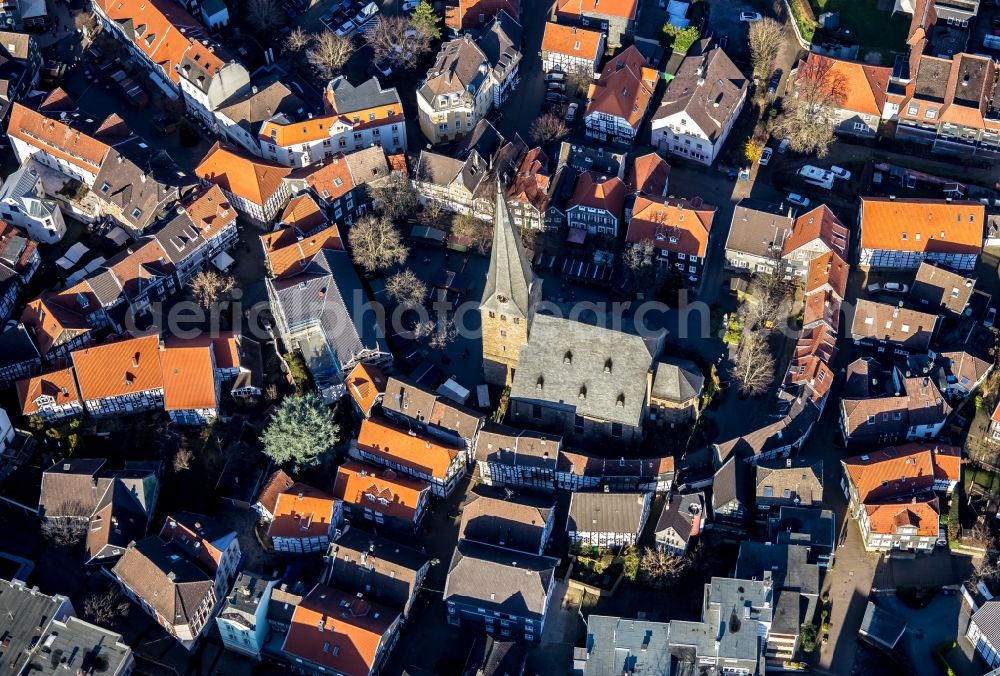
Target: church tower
509, 299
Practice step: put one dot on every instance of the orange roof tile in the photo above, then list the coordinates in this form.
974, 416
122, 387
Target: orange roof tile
864, 85
188, 378
624, 89
333, 179
56, 138
339, 631
921, 514
366, 383
671, 224
302, 511
572, 41
306, 131
168, 35
531, 184
590, 191
625, 9
276, 484
289, 258
650, 175
210, 211
251, 178
405, 448
819, 224
303, 213
115, 369
828, 271
465, 14
933, 226
59, 385
51, 323
902, 470
381, 490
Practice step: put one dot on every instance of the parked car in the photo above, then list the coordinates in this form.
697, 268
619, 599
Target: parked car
783, 146
990, 318
750, 17
797, 199
555, 86
889, 287
765, 156
571, 111
379, 70
772, 84
555, 97
555, 76
841, 173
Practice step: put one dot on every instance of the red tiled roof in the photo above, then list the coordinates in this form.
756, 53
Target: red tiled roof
405, 448
251, 178
902, 470
671, 224
933, 226
624, 89
591, 191
188, 378
381, 490
302, 511
624, 9
120, 368
59, 385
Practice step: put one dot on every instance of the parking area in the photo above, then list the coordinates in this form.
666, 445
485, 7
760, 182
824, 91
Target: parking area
944, 620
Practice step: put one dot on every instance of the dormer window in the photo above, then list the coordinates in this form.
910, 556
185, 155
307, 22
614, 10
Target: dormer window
540, 383
568, 357
583, 391
607, 366
621, 400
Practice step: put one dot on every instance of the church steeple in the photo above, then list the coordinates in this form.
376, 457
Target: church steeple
509, 298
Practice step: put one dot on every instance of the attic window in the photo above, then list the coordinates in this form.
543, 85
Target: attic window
338, 182
621, 400
583, 391
137, 212
568, 357
607, 366
105, 187
540, 383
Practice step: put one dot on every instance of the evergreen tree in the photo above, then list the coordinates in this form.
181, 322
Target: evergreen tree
301, 431
426, 20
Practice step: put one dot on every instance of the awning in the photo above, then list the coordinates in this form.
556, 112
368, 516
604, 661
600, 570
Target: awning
72, 256
576, 236
223, 261
117, 235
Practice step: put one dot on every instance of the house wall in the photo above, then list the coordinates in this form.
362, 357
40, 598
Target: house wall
500, 474
450, 117
125, 403
986, 650
604, 127
501, 626
594, 221
911, 260
562, 419
344, 138
307, 545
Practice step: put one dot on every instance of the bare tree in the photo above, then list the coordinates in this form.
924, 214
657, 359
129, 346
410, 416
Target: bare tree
659, 569
405, 288
753, 367
395, 197
297, 40
264, 15
210, 287
329, 52
377, 244
548, 128
103, 608
433, 215
397, 41
438, 333
477, 231
808, 118
578, 80
766, 37
769, 299
638, 258
64, 532
182, 459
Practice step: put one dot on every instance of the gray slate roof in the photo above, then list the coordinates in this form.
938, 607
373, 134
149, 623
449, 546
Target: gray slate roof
731, 482
806, 526
510, 446
22, 611
708, 87
500, 580
606, 512
679, 514
16, 346
78, 647
511, 287
265, 100
364, 563
987, 619
329, 294
882, 628
517, 523
677, 380
757, 228
348, 98
599, 372
616, 645
937, 289
456, 69
738, 605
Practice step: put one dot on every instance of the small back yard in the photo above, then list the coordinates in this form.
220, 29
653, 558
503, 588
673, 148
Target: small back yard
876, 30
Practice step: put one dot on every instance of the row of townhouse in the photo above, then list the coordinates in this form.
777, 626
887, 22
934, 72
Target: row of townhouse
469, 78
260, 115
947, 102
183, 378
200, 228
894, 493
